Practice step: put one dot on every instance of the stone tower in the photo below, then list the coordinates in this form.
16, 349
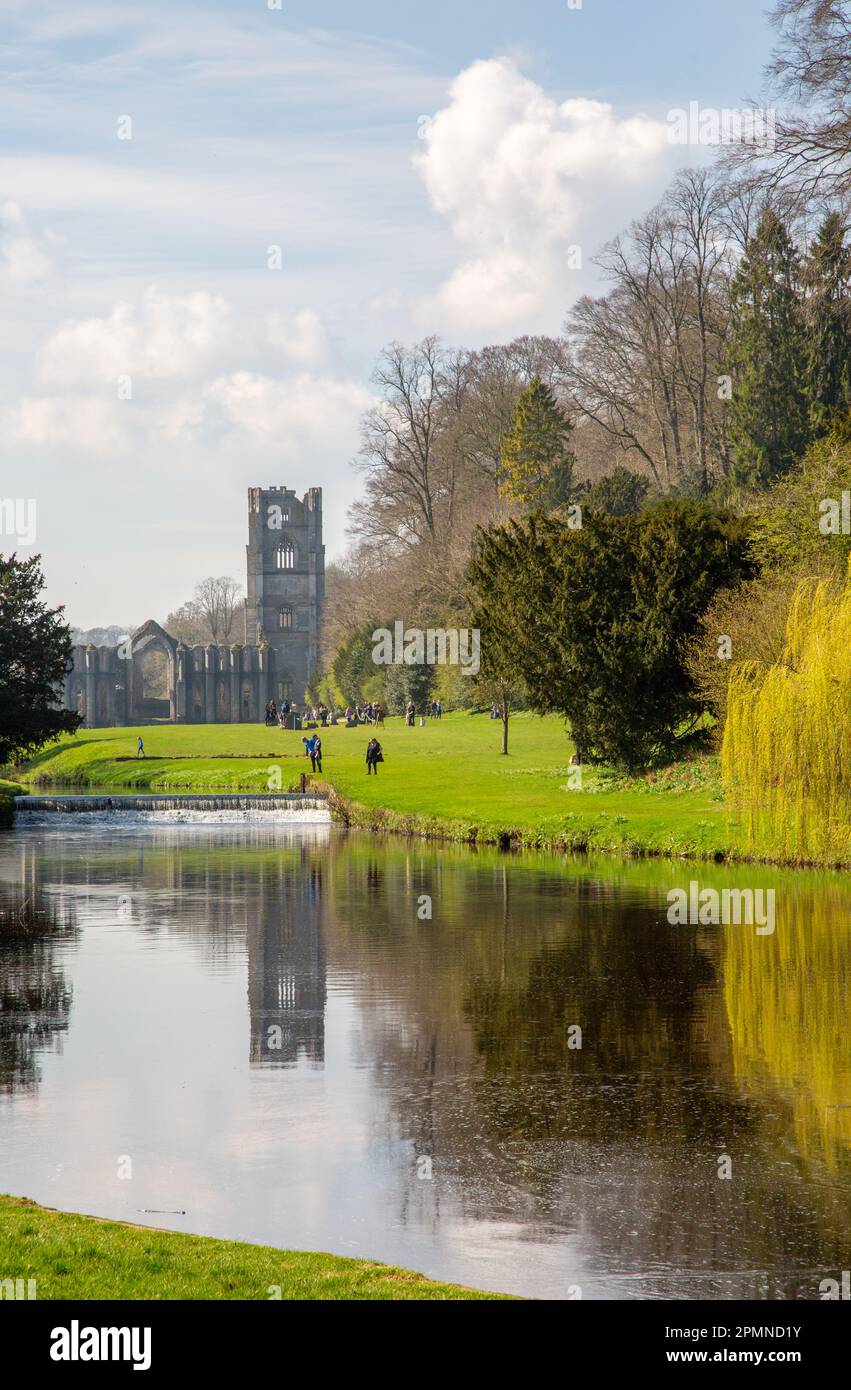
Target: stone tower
285, 583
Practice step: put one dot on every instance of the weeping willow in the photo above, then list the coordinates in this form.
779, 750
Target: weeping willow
786, 756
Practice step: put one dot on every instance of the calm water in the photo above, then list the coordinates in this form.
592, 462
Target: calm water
258, 1019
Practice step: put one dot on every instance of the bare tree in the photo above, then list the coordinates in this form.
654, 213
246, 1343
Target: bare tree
188, 624
399, 448
811, 67
645, 358
218, 601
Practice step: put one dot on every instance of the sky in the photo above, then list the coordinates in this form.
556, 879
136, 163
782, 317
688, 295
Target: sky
214, 215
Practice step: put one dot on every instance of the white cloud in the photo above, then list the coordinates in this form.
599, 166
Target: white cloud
165, 336
519, 176
76, 424
301, 337
24, 258
301, 413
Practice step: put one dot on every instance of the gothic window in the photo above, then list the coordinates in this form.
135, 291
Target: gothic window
286, 556
285, 617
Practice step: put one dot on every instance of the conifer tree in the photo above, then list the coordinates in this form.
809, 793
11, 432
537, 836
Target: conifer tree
536, 460
35, 647
768, 358
826, 278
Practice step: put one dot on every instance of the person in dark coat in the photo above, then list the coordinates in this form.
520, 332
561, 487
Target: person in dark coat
374, 756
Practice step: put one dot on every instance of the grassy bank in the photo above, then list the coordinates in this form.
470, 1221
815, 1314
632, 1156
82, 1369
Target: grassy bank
8, 792
447, 779
81, 1257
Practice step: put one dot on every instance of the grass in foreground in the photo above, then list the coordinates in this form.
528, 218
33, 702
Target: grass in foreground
448, 779
81, 1257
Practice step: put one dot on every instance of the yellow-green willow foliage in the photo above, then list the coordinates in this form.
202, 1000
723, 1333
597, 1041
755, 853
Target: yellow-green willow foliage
786, 755
787, 1004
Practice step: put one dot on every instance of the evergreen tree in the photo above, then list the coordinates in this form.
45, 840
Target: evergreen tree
826, 279
619, 493
536, 464
596, 621
767, 358
35, 645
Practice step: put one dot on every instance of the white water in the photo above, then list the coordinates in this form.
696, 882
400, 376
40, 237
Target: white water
294, 816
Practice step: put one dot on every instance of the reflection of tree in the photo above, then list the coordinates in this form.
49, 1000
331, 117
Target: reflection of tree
618, 1140
35, 998
787, 999
642, 993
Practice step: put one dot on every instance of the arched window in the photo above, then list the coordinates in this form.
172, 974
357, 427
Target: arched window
285, 617
286, 556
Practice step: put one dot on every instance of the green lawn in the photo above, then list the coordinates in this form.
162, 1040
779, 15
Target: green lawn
446, 778
80, 1257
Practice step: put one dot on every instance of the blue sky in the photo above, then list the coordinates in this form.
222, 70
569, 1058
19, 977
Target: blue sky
414, 167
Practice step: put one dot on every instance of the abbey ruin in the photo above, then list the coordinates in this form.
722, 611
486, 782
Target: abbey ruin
285, 588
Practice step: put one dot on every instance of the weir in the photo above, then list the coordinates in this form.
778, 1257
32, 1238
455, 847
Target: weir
215, 801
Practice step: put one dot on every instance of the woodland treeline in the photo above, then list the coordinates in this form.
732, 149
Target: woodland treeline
629, 510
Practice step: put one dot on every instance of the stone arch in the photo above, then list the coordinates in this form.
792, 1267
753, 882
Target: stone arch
148, 638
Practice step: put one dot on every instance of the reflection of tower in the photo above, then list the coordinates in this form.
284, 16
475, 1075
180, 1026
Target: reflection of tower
286, 967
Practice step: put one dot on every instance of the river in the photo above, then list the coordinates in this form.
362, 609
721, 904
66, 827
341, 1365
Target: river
508, 1071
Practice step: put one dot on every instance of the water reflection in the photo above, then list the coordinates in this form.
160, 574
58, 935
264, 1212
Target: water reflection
309, 1061
286, 966
35, 996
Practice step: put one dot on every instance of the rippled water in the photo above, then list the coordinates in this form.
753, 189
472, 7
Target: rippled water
264, 1021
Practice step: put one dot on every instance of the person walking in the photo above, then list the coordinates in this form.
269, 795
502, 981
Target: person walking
140, 748
374, 756
440, 709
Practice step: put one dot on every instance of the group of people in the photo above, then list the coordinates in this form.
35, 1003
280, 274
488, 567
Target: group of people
274, 715
318, 714
434, 711
370, 713
313, 751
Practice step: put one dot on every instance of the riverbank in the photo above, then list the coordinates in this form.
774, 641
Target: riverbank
83, 1257
445, 780
8, 792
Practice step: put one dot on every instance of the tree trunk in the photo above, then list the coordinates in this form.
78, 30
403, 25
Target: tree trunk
505, 714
